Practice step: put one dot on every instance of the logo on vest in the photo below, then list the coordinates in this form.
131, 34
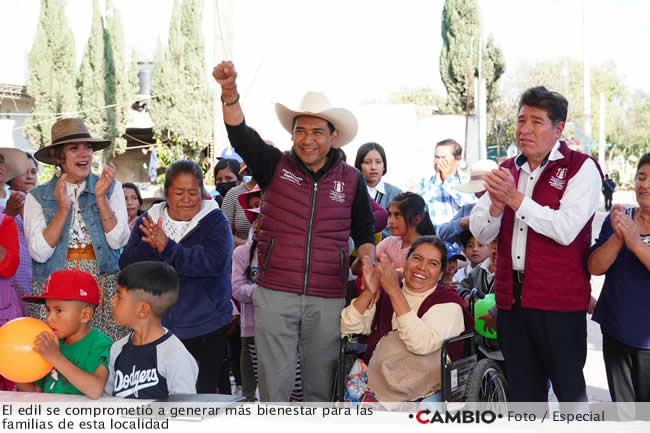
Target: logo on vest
336, 193
127, 384
559, 179
287, 175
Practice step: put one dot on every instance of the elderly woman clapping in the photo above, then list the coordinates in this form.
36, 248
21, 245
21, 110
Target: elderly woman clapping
194, 237
77, 220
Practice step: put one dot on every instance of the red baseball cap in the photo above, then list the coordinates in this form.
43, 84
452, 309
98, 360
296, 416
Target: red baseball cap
69, 285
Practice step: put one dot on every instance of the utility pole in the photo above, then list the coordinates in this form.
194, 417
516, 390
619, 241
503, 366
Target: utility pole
587, 82
601, 148
468, 89
221, 50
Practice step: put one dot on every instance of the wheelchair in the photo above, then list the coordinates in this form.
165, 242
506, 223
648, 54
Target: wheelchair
475, 377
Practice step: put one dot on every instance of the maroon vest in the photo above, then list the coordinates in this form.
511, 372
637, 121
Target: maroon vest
555, 276
304, 230
382, 324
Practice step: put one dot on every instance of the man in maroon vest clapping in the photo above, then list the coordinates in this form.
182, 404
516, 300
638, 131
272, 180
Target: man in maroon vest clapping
540, 204
312, 202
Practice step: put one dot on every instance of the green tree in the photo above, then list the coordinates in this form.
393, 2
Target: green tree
119, 91
461, 28
461, 36
627, 111
494, 66
134, 82
52, 64
179, 85
91, 81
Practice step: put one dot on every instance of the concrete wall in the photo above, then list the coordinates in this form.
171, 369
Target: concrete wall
409, 134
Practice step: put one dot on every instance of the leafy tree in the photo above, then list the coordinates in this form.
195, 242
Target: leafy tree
461, 26
461, 36
119, 89
91, 80
51, 80
134, 82
179, 85
627, 111
494, 66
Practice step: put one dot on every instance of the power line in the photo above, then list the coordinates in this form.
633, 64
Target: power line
188, 87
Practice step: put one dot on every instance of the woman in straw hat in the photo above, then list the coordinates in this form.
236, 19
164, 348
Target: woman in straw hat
21, 182
77, 220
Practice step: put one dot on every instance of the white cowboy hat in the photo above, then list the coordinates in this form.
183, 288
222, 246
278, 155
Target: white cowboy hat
16, 162
316, 104
71, 130
477, 171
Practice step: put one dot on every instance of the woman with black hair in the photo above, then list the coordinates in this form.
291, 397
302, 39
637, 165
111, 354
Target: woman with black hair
193, 236
133, 202
408, 219
371, 161
226, 177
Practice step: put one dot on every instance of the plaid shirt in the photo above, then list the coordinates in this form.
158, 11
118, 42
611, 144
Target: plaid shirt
443, 199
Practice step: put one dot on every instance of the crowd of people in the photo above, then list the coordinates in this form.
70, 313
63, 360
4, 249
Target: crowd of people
259, 277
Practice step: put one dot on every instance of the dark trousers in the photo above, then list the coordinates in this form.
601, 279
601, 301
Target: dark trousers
538, 345
608, 201
628, 371
209, 350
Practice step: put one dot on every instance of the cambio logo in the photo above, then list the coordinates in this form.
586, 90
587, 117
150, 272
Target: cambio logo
426, 416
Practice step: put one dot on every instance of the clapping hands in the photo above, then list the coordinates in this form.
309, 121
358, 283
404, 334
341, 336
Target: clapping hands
624, 227
154, 234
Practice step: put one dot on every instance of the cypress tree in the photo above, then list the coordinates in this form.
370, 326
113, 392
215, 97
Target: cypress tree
91, 81
52, 63
461, 36
118, 89
179, 86
461, 25
494, 66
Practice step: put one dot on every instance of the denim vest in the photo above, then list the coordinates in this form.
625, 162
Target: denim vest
106, 256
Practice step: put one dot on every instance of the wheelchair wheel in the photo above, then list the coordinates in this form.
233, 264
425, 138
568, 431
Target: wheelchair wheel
487, 383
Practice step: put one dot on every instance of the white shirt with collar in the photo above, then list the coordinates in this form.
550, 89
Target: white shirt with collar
379, 188
577, 205
35, 222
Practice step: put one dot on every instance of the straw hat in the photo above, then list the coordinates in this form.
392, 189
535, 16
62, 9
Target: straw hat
478, 170
16, 162
316, 104
395, 374
69, 131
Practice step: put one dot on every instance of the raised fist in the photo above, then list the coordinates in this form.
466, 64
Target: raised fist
224, 74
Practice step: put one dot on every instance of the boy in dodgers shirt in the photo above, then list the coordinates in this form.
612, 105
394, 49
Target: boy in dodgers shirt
150, 362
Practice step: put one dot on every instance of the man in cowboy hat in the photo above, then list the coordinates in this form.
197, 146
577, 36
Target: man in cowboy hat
312, 203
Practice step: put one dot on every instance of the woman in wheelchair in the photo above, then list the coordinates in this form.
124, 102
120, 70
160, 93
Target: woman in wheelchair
404, 364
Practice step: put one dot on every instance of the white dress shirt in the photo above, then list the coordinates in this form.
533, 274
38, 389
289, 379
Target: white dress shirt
35, 222
379, 188
577, 205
